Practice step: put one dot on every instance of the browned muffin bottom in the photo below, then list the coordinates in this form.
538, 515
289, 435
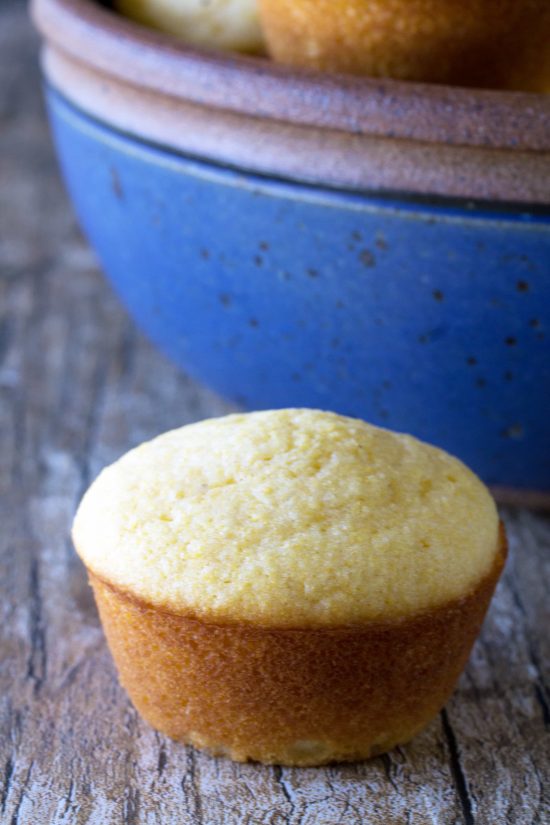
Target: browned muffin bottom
303, 696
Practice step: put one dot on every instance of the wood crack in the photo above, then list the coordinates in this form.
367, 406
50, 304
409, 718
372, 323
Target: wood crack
15, 816
37, 661
387, 764
457, 772
195, 792
6, 334
540, 696
6, 783
69, 800
131, 806
162, 760
278, 771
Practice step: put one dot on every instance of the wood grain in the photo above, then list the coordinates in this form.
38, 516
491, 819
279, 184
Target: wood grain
78, 386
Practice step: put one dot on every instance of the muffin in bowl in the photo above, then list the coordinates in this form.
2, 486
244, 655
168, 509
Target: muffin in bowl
291, 586
222, 24
499, 44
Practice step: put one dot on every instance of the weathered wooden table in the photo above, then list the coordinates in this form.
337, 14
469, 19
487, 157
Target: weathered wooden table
78, 386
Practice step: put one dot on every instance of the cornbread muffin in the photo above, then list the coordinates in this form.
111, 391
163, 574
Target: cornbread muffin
289, 586
224, 24
486, 43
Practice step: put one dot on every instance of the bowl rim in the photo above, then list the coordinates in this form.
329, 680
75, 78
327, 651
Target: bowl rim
408, 206
102, 40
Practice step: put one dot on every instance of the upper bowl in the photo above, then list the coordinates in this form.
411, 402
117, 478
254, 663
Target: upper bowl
336, 130
375, 247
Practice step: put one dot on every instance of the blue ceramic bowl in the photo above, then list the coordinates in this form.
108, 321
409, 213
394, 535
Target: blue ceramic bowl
426, 315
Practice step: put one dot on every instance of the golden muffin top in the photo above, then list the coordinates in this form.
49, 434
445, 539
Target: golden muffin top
287, 518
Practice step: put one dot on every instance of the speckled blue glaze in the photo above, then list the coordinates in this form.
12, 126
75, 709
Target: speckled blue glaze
427, 319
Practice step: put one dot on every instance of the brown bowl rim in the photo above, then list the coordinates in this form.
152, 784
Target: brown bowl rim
103, 40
